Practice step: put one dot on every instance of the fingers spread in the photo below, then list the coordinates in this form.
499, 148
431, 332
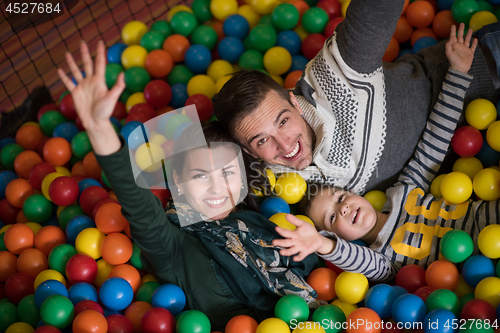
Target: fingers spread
87, 59
67, 82
100, 61
73, 67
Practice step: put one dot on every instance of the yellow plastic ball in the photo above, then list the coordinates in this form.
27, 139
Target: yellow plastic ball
493, 135
31, 123
89, 242
290, 187
278, 79
47, 181
134, 55
5, 227
133, 31
488, 289
147, 278
49, 274
201, 84
309, 327
436, 186
20, 327
263, 7
158, 139
343, 9
221, 9
489, 241
251, 15
456, 187
376, 198
468, 165
63, 170
221, 82
462, 287
487, 184
176, 9
103, 270
351, 287
271, 177
480, 113
301, 32
345, 307
306, 219
273, 325
135, 98
480, 19
219, 68
34, 226
277, 60
280, 220
148, 157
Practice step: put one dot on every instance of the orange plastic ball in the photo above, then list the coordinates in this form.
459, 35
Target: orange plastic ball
129, 273
176, 45
134, 313
78, 169
218, 27
422, 32
403, 30
49, 237
405, 7
57, 151
21, 218
29, 137
116, 248
32, 262
91, 167
370, 319
442, 23
159, 63
25, 161
241, 324
392, 51
17, 191
90, 321
8, 265
301, 6
420, 14
442, 274
109, 218
292, 78
323, 281
19, 237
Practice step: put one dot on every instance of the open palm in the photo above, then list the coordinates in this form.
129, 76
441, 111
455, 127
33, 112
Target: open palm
460, 50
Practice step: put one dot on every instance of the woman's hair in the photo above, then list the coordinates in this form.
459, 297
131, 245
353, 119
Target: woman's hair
195, 137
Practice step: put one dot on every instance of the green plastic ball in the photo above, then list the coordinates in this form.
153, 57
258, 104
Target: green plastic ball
57, 311
37, 208
173, 123
263, 37
456, 246
68, 213
59, 256
9, 154
124, 96
463, 10
146, 290
464, 299
135, 259
163, 27
183, 23
8, 315
204, 35
290, 308
266, 19
80, 144
314, 20
478, 326
332, 314
136, 79
193, 321
251, 59
498, 269
485, 6
179, 74
112, 72
201, 9
247, 43
443, 299
285, 16
27, 311
152, 40
49, 120
2, 242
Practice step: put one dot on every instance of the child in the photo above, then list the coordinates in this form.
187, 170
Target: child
226, 264
404, 233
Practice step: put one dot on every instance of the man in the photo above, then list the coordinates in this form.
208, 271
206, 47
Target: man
353, 121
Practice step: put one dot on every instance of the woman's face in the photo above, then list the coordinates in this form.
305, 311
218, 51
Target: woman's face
211, 181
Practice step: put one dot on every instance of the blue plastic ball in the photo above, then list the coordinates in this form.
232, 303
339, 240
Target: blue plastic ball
380, 298
76, 225
48, 288
116, 293
422, 43
273, 205
6, 141
299, 62
440, 321
487, 155
197, 58
170, 297
161, 125
476, 268
236, 26
109, 312
82, 291
5, 177
133, 132
116, 122
115, 53
290, 40
179, 95
66, 131
408, 308
403, 52
230, 49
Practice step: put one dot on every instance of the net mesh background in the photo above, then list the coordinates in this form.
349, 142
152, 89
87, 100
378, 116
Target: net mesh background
30, 58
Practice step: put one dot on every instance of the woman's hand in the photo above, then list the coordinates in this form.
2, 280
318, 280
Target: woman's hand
459, 50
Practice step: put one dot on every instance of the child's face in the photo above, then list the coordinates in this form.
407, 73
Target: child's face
211, 188
348, 215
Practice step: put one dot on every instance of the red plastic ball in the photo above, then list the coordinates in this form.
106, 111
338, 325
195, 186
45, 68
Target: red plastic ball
424, 292
64, 191
158, 320
143, 108
88, 305
90, 197
138, 116
38, 173
204, 107
467, 141
331, 25
411, 277
478, 309
67, 107
332, 7
161, 193
158, 93
120, 111
57, 151
19, 286
49, 237
81, 268
442, 274
8, 213
118, 323
47, 329
312, 45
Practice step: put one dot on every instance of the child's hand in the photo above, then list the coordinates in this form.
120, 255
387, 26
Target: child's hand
302, 241
459, 51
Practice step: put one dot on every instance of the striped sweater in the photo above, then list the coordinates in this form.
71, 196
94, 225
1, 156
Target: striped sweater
418, 220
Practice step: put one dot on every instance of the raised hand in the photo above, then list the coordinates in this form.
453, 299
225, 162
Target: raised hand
460, 50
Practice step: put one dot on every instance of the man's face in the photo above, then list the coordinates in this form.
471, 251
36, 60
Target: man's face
277, 133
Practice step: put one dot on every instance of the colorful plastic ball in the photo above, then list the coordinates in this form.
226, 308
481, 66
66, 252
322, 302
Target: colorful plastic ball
456, 246
392, 51
158, 63
179, 94
289, 40
129, 273
379, 298
81, 268
152, 40
371, 320
57, 311
32, 262
442, 274
456, 187
170, 297
90, 321
197, 58
114, 53
277, 60
118, 323
146, 291
148, 157
486, 184
480, 113
463, 10
49, 274
48, 237
443, 299
291, 79
408, 308
468, 165
136, 78
8, 314
423, 42
6, 176
50, 120
89, 242
221, 9
241, 324
201, 9
133, 31
109, 218
82, 291
38, 173
351, 287
90, 196
133, 133
48, 288
376, 198
280, 220
116, 293
158, 93
76, 225
291, 187
47, 329
66, 131
116, 248
179, 74
251, 59
112, 73
64, 191
236, 26
200, 84
176, 45
477, 268
135, 313
314, 20
273, 205
158, 320
482, 18
312, 45
488, 289
29, 137
183, 23
420, 15
174, 10
322, 280
80, 145
478, 309
291, 308
489, 241
17, 191
493, 135
9, 154
331, 314
37, 208
20, 327
488, 156
439, 320
204, 35
263, 37
194, 321
59, 256
230, 49
204, 108
8, 213
18, 286
28, 312
285, 16
19, 237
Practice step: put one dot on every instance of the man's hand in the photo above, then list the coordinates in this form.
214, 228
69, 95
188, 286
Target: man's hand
459, 50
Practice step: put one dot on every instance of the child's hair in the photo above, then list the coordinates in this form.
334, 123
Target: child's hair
193, 137
313, 189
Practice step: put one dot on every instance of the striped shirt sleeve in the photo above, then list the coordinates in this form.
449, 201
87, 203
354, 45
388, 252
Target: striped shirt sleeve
438, 132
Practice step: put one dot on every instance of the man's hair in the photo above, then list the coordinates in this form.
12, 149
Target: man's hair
242, 94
